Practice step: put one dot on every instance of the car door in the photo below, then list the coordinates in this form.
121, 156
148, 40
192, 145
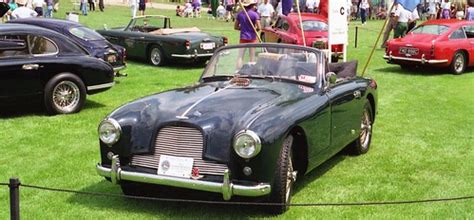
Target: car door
469, 30
346, 100
19, 75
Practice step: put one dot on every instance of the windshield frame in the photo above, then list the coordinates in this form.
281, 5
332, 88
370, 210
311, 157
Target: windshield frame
321, 68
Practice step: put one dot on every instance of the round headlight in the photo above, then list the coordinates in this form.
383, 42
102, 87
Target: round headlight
109, 131
247, 144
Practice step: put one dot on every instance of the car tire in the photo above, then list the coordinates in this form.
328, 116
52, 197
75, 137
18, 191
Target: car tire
458, 65
64, 94
155, 56
284, 177
362, 144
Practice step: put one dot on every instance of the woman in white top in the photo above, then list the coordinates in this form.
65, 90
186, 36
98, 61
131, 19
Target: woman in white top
364, 9
432, 9
446, 9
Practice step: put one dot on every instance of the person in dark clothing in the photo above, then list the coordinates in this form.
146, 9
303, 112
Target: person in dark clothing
101, 5
91, 5
142, 7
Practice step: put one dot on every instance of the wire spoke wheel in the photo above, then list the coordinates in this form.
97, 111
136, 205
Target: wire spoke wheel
459, 63
366, 130
66, 96
156, 56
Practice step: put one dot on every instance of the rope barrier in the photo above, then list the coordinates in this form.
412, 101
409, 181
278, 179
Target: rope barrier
363, 203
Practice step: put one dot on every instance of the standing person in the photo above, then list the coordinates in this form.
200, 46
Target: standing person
196, 8
133, 7
392, 23
266, 12
459, 10
414, 16
245, 22
22, 11
12, 4
38, 7
229, 7
470, 13
364, 8
49, 8
84, 7
446, 9
142, 7
432, 9
402, 16
101, 5
310, 4
91, 5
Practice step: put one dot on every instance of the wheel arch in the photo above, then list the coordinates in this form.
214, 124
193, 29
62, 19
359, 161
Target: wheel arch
371, 99
300, 149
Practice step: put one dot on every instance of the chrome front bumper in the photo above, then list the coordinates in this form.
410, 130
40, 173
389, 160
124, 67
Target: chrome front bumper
422, 60
189, 56
227, 188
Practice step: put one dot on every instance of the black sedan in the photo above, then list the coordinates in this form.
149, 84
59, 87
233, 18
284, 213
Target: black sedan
87, 38
42, 64
261, 116
152, 38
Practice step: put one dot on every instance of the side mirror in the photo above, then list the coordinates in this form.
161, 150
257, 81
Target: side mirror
331, 77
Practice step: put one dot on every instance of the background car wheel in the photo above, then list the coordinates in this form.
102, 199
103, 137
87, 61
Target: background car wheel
284, 177
362, 144
458, 65
155, 56
64, 94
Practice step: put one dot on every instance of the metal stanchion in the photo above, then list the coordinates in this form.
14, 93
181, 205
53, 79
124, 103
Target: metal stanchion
14, 198
356, 34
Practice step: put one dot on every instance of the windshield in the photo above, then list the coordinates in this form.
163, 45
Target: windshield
311, 25
292, 63
147, 24
85, 33
430, 29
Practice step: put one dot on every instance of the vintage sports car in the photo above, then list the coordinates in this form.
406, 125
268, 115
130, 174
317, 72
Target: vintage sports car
287, 29
90, 40
261, 115
439, 43
39, 63
152, 38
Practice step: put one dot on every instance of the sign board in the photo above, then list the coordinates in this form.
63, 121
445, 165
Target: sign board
337, 20
72, 16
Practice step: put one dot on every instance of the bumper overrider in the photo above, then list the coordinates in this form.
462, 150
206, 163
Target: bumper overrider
390, 58
227, 188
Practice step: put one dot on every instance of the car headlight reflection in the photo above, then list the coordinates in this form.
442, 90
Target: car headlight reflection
247, 144
109, 131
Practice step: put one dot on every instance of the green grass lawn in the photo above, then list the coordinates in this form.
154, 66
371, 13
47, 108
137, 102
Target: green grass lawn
423, 145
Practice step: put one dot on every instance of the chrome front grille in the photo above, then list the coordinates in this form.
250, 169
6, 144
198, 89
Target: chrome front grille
179, 142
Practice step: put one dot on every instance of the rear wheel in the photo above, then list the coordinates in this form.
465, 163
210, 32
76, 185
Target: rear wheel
285, 176
155, 56
458, 65
362, 144
64, 94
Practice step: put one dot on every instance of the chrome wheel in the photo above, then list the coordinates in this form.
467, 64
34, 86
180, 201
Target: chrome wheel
66, 96
155, 56
365, 130
459, 63
290, 177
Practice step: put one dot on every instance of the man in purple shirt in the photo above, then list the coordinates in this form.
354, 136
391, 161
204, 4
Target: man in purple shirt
247, 32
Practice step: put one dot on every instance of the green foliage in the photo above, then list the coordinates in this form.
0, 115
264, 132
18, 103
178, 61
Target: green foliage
422, 145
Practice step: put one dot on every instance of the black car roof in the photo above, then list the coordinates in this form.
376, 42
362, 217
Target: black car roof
50, 23
9, 27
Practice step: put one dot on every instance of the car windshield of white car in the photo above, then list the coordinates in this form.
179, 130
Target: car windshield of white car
430, 29
85, 33
266, 62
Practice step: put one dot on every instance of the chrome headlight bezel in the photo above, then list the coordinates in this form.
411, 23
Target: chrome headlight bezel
114, 126
238, 147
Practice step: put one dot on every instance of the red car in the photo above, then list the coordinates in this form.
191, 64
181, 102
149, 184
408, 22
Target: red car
438, 43
287, 29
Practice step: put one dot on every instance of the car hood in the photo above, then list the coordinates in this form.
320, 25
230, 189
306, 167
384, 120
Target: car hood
218, 109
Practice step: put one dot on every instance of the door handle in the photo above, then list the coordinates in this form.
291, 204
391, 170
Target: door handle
357, 94
30, 67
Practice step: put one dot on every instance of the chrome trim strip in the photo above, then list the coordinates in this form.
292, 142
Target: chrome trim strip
183, 116
192, 55
414, 59
100, 86
227, 188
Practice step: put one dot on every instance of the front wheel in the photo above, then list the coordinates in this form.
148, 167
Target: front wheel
64, 94
155, 56
285, 176
362, 144
458, 65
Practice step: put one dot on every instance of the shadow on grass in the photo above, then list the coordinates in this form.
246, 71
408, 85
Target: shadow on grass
320, 171
420, 70
35, 108
165, 209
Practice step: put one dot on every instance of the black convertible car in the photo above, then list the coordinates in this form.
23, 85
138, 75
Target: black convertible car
90, 40
261, 115
40, 63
